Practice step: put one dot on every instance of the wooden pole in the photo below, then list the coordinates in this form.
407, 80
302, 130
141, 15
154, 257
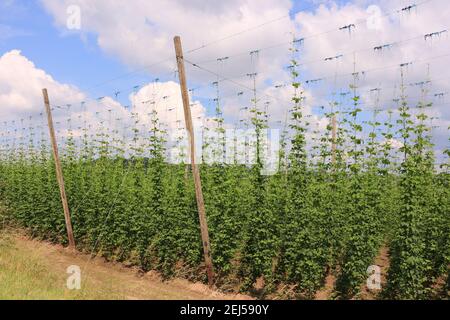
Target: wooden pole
333, 139
59, 174
195, 171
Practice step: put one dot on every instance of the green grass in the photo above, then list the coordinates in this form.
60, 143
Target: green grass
34, 270
24, 275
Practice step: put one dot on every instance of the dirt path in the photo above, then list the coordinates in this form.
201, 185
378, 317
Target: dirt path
31, 269
45, 265
326, 292
382, 260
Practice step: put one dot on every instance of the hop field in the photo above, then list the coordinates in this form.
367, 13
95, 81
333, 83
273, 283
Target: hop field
323, 158
328, 209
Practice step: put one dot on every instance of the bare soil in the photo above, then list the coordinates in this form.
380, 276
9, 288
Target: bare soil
118, 280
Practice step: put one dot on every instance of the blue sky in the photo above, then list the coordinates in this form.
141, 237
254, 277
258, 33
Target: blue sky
68, 57
78, 60
81, 59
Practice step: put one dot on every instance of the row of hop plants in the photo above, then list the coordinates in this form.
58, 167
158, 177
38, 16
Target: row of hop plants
326, 211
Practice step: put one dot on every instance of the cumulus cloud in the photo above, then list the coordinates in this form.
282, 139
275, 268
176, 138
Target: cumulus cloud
21, 84
139, 33
402, 38
165, 98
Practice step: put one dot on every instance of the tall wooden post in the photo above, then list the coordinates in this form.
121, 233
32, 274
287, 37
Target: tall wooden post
59, 174
333, 139
195, 171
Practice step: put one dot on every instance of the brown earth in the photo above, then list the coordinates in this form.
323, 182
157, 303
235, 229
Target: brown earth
105, 280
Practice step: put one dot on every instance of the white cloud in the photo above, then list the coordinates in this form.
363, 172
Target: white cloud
165, 98
21, 84
139, 33
405, 30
